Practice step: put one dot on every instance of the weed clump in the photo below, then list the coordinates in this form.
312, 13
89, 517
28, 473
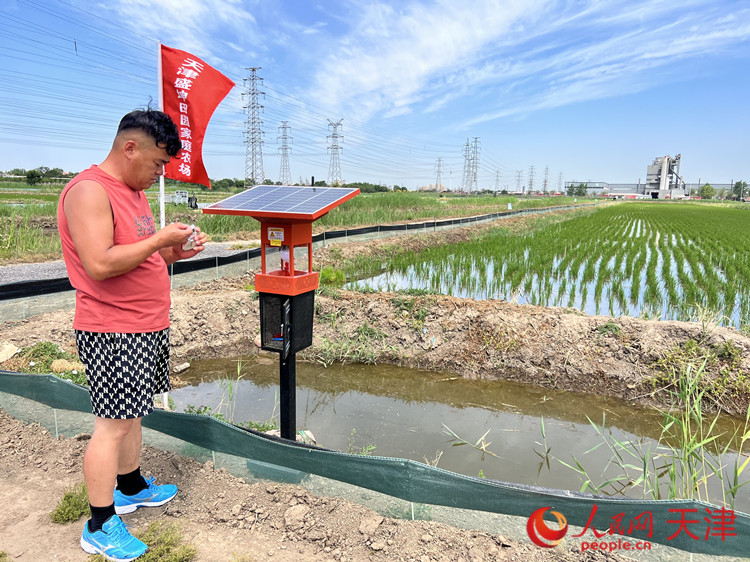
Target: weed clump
331, 276
164, 542
722, 380
72, 506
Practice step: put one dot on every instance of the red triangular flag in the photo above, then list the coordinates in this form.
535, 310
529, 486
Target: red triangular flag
192, 91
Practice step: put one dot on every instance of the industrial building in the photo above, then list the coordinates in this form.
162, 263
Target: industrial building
663, 181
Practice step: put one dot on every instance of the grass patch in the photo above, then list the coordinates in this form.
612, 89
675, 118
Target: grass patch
328, 291
416, 292
165, 544
365, 450
38, 358
21, 239
41, 355
366, 332
609, 328
342, 350
722, 379
72, 506
332, 276
495, 339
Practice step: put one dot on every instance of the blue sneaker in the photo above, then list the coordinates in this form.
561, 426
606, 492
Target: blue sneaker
113, 541
151, 496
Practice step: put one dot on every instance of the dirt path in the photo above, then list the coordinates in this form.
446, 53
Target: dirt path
225, 518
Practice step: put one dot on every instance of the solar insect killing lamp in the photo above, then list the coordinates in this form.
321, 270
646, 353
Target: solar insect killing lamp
287, 282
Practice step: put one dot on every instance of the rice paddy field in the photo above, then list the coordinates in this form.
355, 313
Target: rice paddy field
666, 260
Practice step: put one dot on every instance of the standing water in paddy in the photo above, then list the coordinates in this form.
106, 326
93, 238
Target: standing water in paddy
670, 261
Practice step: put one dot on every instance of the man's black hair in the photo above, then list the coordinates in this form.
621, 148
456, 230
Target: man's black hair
156, 124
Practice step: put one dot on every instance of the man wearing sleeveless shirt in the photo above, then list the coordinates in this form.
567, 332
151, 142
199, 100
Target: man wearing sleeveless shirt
117, 261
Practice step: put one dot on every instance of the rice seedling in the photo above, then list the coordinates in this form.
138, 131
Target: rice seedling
660, 257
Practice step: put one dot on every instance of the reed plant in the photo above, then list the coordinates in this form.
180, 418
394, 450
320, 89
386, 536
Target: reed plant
21, 240
683, 462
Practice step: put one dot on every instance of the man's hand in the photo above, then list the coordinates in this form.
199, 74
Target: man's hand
175, 251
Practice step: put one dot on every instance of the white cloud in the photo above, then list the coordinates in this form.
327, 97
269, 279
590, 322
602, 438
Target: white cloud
393, 53
410, 56
185, 24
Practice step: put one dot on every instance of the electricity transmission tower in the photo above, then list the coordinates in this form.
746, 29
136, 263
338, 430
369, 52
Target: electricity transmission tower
471, 165
439, 174
518, 180
531, 179
559, 182
475, 164
546, 177
497, 180
285, 175
253, 131
334, 167
466, 184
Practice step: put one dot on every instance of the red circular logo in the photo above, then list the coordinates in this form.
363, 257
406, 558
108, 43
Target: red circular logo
541, 534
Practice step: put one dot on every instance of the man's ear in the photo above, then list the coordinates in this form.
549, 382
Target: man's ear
130, 147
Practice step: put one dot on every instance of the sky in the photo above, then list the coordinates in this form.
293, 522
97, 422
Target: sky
567, 90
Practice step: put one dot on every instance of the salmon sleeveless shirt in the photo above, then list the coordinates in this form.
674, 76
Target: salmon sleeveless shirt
136, 301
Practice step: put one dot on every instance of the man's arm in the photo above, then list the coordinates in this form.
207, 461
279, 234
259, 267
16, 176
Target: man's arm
89, 216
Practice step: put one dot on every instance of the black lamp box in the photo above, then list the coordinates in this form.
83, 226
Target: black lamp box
286, 322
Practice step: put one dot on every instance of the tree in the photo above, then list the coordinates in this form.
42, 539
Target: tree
738, 190
366, 187
52, 172
33, 177
321, 183
581, 190
706, 191
18, 172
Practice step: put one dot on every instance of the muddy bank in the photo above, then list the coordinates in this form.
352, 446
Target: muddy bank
550, 347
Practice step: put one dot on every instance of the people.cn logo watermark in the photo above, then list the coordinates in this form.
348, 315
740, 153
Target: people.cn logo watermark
540, 534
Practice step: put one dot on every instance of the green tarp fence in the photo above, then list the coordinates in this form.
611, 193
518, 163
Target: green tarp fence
417, 482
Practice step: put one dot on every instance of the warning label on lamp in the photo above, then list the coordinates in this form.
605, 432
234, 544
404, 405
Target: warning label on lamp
275, 236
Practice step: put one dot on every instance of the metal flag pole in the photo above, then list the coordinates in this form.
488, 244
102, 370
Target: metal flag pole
161, 108
165, 395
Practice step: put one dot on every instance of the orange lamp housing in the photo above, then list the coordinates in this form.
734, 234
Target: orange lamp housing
286, 214
285, 240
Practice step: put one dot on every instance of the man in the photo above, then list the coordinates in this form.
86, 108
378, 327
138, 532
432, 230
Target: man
117, 261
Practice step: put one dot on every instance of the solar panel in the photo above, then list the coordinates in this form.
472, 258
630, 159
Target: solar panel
283, 201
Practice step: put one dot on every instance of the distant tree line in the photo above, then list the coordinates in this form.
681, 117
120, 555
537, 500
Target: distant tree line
37, 175
739, 191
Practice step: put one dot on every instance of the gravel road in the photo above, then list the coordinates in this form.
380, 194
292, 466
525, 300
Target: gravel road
56, 269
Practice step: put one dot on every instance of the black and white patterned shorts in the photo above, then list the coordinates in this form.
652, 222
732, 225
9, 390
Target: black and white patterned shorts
124, 371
